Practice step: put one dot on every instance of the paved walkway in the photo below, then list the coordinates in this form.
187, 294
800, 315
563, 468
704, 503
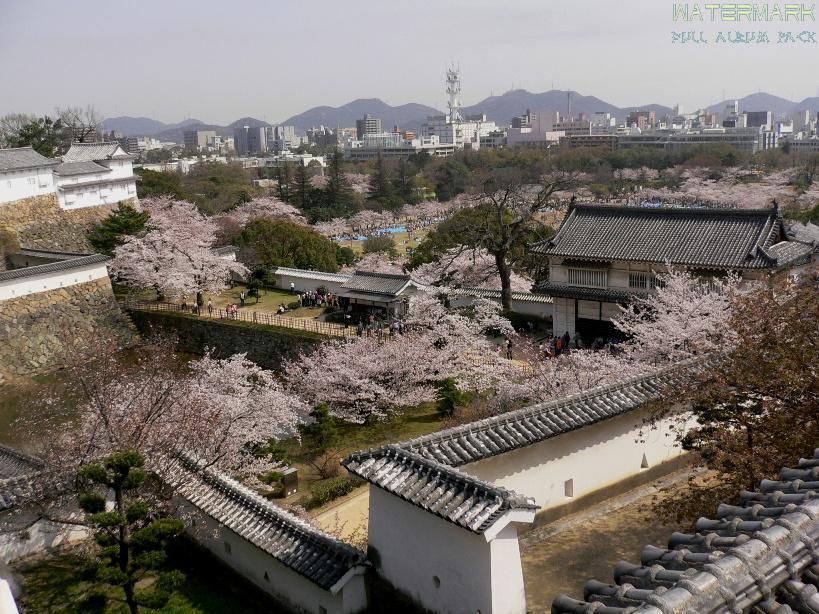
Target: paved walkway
347, 517
560, 557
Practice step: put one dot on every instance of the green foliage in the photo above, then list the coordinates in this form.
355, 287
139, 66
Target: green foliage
345, 256
132, 539
155, 156
156, 183
321, 435
217, 187
448, 397
275, 242
380, 243
9, 244
43, 134
124, 222
330, 490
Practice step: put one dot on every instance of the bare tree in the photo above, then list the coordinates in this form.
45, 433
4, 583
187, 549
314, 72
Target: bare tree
80, 124
10, 126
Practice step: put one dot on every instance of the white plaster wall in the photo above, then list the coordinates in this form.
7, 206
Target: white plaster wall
119, 168
303, 284
593, 457
13, 288
251, 563
543, 310
563, 319
414, 545
41, 536
508, 592
75, 196
7, 605
16, 185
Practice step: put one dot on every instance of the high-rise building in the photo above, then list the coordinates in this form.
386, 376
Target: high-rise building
642, 119
367, 125
759, 119
249, 140
197, 140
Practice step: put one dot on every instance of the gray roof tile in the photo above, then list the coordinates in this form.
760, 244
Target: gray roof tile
459, 498
84, 152
697, 237
51, 267
87, 167
376, 283
757, 556
19, 158
308, 551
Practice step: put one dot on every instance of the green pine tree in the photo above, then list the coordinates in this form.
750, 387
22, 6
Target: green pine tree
111, 232
132, 540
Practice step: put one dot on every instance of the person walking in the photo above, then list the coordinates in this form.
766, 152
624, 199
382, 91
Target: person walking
242, 298
210, 307
292, 288
509, 349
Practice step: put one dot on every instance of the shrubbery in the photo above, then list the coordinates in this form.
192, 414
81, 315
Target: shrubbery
329, 490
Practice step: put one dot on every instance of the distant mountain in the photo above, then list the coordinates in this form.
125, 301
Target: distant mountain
144, 126
515, 102
176, 134
248, 121
133, 126
410, 116
407, 116
761, 102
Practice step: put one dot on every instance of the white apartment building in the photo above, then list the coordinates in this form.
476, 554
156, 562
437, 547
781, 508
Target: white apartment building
464, 134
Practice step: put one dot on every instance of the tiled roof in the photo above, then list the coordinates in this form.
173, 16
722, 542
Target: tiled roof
698, 237
225, 250
759, 556
422, 470
787, 252
459, 498
523, 427
83, 152
319, 557
305, 274
52, 267
377, 283
17, 471
19, 158
496, 295
86, 167
611, 295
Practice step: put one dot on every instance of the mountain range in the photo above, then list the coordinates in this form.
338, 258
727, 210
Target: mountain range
410, 116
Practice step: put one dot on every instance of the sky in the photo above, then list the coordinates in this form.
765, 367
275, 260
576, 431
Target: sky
218, 61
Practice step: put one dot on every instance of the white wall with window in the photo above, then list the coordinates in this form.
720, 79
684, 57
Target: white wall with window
25, 183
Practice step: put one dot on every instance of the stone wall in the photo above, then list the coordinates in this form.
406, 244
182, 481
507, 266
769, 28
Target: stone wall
37, 330
267, 346
40, 223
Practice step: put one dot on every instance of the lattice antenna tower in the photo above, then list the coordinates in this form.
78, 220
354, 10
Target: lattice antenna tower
453, 90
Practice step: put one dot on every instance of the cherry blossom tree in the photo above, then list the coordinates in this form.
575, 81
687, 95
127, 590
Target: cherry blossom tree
334, 228
265, 207
175, 255
368, 376
376, 262
684, 317
460, 267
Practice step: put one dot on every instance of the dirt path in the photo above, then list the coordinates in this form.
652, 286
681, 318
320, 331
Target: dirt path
560, 557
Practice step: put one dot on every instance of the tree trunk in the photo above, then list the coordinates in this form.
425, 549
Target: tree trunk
124, 556
506, 279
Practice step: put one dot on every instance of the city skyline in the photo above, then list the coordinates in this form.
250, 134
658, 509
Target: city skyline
217, 62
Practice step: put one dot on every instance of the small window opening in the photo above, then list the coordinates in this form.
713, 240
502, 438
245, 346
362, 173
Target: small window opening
227, 548
568, 488
436, 581
644, 462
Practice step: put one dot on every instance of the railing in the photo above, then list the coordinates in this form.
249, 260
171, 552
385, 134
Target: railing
328, 329
589, 278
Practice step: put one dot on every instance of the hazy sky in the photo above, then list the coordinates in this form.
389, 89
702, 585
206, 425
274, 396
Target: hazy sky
221, 60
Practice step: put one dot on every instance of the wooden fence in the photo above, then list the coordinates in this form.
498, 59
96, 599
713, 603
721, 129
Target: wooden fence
328, 329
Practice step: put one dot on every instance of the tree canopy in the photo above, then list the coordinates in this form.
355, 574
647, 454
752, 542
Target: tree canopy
276, 242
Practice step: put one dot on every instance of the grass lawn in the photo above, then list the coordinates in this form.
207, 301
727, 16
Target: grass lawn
411, 422
60, 584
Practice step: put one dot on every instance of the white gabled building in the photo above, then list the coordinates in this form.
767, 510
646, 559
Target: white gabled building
24, 173
94, 174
